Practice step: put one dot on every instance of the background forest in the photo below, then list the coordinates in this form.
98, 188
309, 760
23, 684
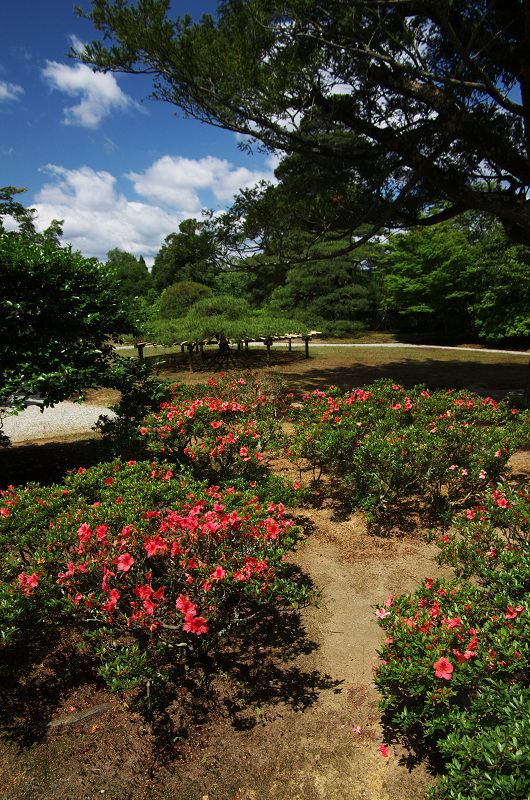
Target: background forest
462, 280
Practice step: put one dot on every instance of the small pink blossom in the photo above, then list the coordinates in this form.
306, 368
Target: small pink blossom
186, 606
383, 749
443, 669
512, 613
195, 625
381, 613
124, 562
218, 573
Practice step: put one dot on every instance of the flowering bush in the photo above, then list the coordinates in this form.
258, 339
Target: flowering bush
219, 429
449, 640
383, 443
150, 561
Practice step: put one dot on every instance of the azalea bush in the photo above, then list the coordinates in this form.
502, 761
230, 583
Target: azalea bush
450, 641
220, 429
488, 749
383, 443
151, 563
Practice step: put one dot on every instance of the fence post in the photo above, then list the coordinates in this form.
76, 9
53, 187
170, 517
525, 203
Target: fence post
190, 355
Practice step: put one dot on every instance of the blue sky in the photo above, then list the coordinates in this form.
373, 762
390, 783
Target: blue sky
122, 171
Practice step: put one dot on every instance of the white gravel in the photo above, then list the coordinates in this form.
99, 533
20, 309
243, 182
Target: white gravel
63, 419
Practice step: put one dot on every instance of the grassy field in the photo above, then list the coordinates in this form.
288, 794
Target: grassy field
350, 367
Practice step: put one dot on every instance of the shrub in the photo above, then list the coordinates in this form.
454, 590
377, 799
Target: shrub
178, 298
152, 564
383, 443
455, 664
220, 429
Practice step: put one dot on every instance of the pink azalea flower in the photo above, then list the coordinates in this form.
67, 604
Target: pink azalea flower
196, 625
218, 574
358, 729
443, 668
149, 606
143, 592
186, 606
272, 528
124, 562
512, 613
466, 656
383, 749
381, 613
84, 533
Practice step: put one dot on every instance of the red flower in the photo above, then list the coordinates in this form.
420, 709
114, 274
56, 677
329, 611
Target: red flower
512, 613
218, 574
186, 606
124, 562
443, 669
196, 625
383, 749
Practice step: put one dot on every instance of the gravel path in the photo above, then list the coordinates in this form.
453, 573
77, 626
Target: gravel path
64, 418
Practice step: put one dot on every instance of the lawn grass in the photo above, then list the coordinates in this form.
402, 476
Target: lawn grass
350, 367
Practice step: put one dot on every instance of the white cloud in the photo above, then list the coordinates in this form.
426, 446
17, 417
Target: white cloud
100, 93
177, 181
10, 91
97, 218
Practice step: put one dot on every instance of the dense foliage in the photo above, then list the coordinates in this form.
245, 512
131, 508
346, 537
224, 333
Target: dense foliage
60, 318
156, 562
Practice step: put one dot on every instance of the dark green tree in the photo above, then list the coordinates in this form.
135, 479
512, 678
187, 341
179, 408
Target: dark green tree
60, 317
131, 275
332, 295
427, 104
189, 255
431, 279
177, 299
464, 277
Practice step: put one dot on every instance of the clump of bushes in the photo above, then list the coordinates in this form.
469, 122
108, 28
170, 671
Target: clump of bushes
383, 443
455, 664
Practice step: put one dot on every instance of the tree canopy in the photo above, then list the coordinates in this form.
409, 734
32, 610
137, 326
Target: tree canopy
421, 104
188, 255
131, 275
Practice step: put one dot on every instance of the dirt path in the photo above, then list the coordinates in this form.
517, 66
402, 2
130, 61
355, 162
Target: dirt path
314, 753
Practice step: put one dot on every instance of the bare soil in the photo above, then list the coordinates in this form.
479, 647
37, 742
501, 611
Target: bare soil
275, 717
